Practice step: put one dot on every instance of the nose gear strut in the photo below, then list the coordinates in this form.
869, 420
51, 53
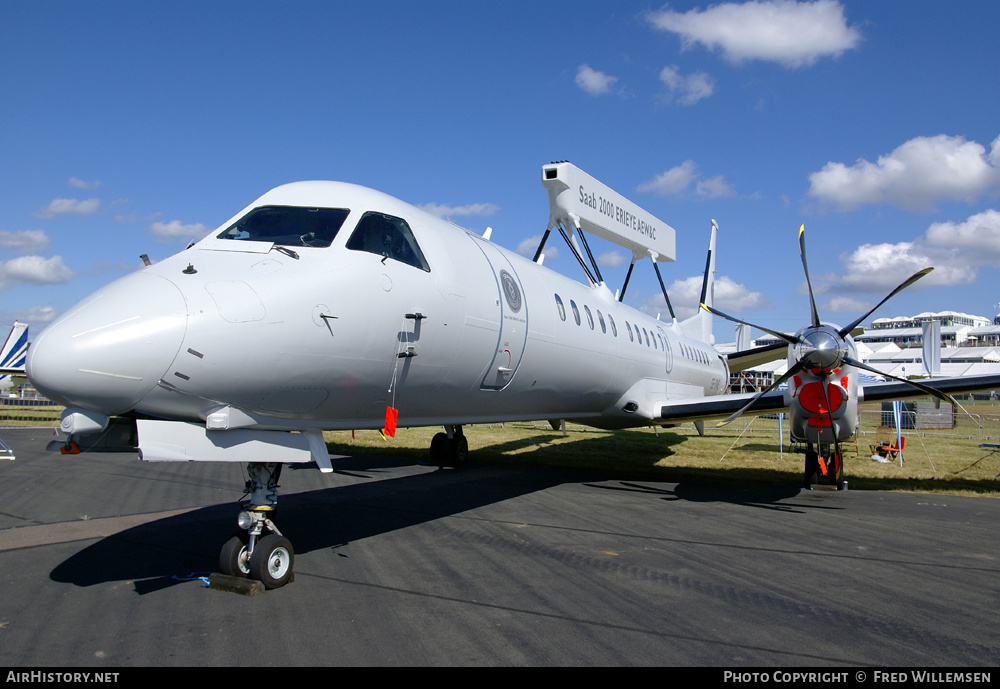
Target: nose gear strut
249, 553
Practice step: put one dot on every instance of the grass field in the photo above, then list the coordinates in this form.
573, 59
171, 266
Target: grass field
938, 462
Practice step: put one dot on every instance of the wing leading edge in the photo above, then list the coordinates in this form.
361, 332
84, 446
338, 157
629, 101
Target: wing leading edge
875, 392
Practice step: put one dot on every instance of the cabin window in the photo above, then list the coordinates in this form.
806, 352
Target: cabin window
628, 326
288, 226
600, 318
389, 237
576, 311
614, 329
590, 316
560, 307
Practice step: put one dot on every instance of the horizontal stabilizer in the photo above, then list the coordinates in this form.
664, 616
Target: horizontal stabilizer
758, 356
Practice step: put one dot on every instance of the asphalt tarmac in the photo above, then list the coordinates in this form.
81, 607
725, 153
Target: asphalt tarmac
399, 564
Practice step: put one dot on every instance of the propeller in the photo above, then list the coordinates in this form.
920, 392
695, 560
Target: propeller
821, 348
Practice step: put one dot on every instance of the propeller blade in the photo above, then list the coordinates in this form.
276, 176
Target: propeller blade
798, 366
790, 339
805, 268
913, 278
919, 386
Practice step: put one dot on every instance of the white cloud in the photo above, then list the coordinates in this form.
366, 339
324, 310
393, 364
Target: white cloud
687, 89
593, 82
791, 33
978, 237
842, 304
33, 270
528, 246
82, 184
678, 181
956, 251
59, 207
175, 229
714, 188
443, 211
33, 315
685, 297
915, 175
881, 267
673, 181
612, 259
24, 240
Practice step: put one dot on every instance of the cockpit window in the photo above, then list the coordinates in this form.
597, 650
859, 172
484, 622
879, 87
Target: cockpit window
389, 237
288, 225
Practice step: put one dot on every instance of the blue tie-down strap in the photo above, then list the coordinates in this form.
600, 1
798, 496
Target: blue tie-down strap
192, 576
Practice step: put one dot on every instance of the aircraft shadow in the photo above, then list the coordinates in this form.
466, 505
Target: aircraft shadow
759, 495
153, 554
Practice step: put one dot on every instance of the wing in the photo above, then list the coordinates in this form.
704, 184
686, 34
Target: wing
721, 406
874, 392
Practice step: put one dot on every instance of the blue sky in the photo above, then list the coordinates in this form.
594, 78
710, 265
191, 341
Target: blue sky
135, 127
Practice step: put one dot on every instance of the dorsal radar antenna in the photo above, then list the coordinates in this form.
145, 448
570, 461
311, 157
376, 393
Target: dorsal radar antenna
580, 203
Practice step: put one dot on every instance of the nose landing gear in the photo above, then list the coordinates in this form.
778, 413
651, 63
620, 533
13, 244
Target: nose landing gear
249, 553
824, 467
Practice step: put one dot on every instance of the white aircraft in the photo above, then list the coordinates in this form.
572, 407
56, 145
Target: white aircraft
12, 356
326, 305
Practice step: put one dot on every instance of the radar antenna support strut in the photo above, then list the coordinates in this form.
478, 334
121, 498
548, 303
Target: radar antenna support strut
628, 275
664, 290
576, 252
593, 261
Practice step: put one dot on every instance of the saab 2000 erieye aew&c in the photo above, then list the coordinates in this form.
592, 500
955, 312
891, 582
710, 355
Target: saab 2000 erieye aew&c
326, 305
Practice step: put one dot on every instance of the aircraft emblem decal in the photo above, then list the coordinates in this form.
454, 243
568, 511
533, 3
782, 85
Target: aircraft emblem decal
511, 292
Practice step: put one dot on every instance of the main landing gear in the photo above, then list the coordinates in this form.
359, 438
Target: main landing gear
449, 448
250, 553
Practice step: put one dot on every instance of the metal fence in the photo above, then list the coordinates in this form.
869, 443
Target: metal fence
20, 412
975, 425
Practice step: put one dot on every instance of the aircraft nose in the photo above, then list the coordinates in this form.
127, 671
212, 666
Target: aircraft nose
109, 351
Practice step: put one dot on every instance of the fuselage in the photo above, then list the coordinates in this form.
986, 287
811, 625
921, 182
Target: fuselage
327, 328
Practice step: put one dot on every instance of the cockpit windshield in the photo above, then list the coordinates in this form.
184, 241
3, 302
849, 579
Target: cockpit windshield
389, 237
288, 225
